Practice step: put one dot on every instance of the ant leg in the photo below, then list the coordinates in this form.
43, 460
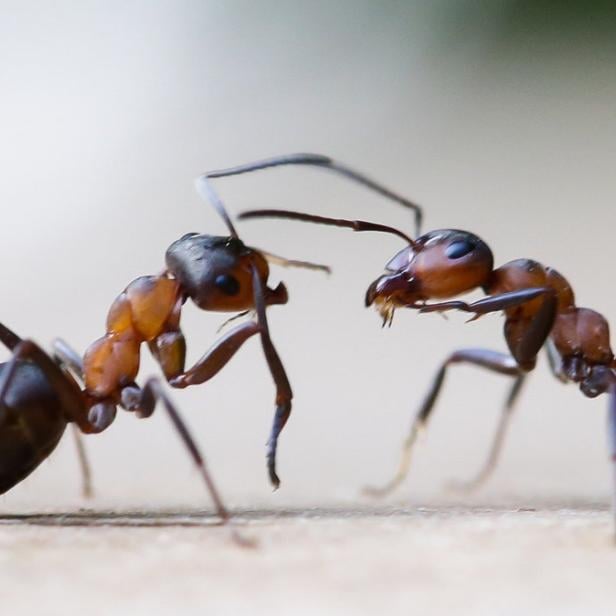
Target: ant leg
483, 358
84, 464
315, 160
68, 358
284, 393
491, 303
8, 338
216, 357
555, 361
611, 439
497, 444
143, 402
524, 337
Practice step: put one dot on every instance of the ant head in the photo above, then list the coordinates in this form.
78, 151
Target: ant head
441, 264
216, 272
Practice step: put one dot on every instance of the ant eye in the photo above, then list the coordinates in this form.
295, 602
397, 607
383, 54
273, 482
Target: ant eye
227, 284
459, 249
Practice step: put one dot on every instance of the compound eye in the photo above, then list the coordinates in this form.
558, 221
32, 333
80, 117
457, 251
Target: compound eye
459, 249
227, 284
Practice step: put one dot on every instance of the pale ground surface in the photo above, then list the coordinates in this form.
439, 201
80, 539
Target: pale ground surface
317, 561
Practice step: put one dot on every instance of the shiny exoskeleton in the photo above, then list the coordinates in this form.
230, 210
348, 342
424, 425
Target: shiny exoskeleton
40, 396
539, 309
538, 305
217, 274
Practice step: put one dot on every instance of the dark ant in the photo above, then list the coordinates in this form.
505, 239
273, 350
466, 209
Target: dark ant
218, 274
538, 305
39, 397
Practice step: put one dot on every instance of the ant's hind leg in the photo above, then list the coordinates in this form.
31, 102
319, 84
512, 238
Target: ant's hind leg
87, 491
611, 439
8, 338
497, 443
143, 401
68, 358
483, 358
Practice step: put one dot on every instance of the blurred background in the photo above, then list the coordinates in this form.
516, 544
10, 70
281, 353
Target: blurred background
498, 117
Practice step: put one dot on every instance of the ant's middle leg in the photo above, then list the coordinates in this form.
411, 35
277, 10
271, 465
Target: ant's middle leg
68, 358
493, 361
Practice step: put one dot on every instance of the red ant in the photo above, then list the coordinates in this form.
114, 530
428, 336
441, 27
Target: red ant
39, 397
538, 305
218, 274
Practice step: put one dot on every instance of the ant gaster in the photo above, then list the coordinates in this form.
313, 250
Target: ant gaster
538, 305
39, 397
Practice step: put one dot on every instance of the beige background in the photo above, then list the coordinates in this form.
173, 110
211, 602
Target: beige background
108, 112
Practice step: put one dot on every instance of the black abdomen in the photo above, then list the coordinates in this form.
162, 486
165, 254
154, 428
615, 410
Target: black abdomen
32, 426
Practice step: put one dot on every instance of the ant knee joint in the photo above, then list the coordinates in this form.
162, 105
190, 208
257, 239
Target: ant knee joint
130, 398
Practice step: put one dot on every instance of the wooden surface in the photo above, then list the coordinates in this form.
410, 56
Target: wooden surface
320, 561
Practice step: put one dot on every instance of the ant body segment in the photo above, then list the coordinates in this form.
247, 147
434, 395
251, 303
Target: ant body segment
539, 308
39, 397
219, 274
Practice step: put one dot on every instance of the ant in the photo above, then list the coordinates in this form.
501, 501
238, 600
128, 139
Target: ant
539, 309
40, 396
219, 273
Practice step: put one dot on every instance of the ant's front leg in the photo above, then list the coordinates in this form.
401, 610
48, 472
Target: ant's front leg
171, 359
491, 303
284, 393
524, 335
169, 350
220, 354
